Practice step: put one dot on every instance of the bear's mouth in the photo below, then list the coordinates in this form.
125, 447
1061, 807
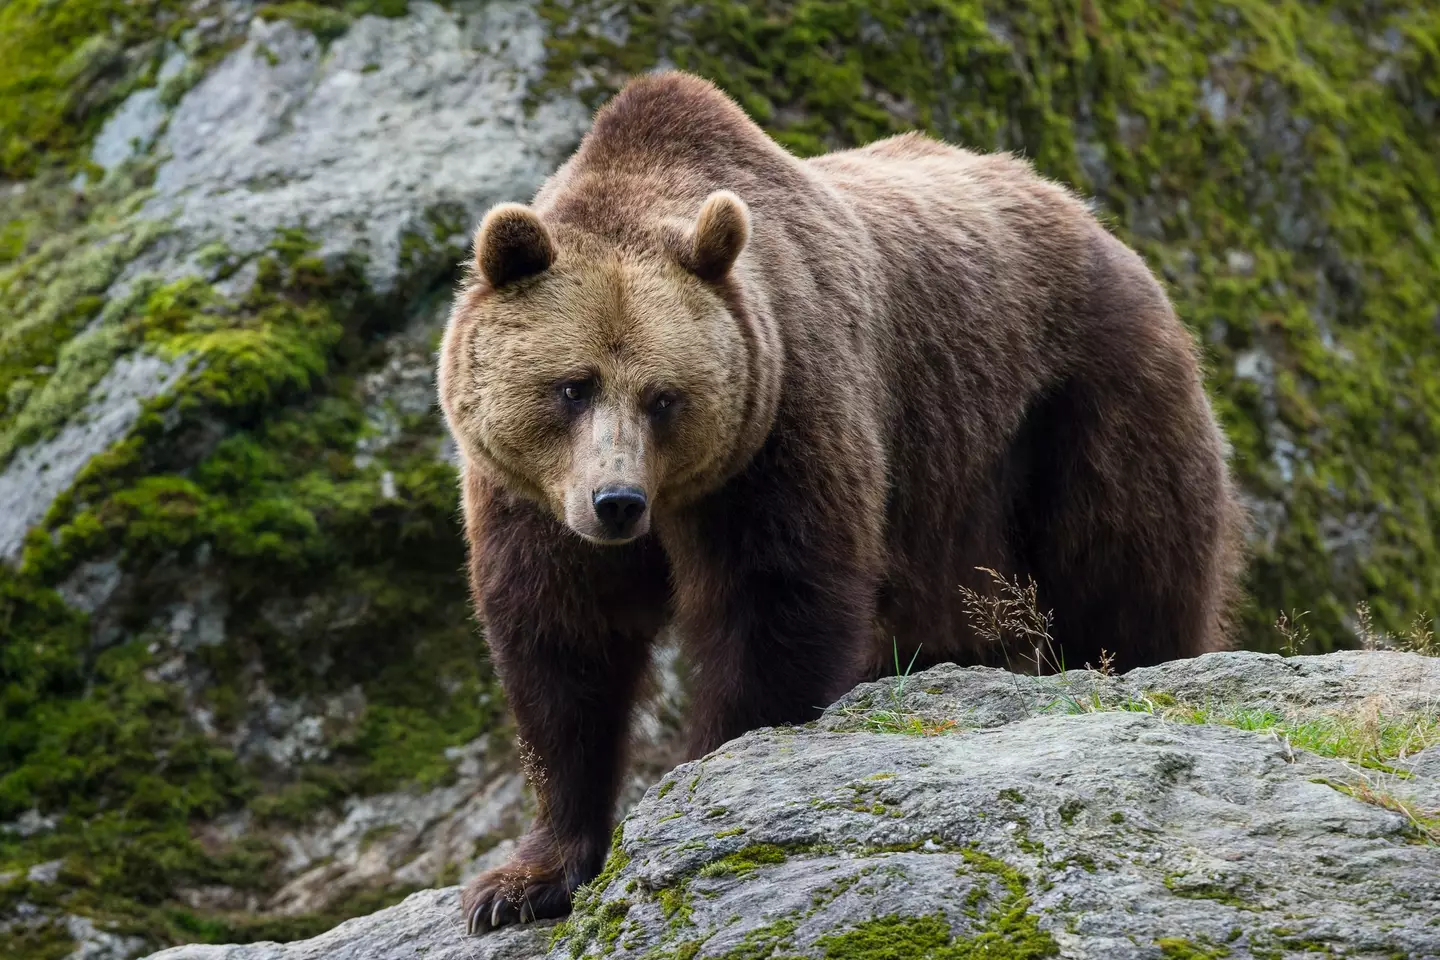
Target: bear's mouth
596, 533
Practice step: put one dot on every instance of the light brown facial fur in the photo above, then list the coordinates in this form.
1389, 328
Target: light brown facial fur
598, 382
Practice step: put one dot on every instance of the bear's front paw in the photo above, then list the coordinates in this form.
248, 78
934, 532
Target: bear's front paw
517, 892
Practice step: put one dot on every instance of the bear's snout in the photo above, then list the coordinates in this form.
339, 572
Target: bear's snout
621, 511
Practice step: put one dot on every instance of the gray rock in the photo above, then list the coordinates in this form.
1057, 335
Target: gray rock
1426, 763
47, 872
92, 583
38, 473
410, 836
92, 943
130, 130
984, 697
30, 823
425, 925
283, 133
361, 142
1037, 813
1398, 681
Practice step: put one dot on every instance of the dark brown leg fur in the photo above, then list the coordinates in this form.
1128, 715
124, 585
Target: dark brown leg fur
774, 602
570, 627
1128, 539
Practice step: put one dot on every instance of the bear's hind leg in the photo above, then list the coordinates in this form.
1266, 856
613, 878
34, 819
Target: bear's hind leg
1126, 523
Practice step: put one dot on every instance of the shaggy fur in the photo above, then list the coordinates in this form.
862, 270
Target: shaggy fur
837, 386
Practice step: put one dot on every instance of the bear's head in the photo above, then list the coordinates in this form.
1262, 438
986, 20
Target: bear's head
608, 383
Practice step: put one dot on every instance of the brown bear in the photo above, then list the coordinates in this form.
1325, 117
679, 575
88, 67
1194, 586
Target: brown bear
789, 407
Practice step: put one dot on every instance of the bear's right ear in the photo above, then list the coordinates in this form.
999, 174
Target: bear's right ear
720, 234
512, 244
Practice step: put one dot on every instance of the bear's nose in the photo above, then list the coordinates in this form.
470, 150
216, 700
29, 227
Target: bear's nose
619, 509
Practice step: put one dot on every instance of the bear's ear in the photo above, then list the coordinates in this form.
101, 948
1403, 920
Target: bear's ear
720, 234
512, 244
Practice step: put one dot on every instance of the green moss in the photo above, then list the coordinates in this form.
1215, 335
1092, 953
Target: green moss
1206, 890
1177, 948
44, 941
329, 20
244, 467
1298, 222
52, 291
1082, 860
744, 861
594, 919
924, 938
1370, 739
63, 66
675, 904
111, 753
832, 891
1006, 930
762, 942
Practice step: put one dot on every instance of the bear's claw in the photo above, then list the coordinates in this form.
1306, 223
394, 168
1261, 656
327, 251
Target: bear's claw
499, 897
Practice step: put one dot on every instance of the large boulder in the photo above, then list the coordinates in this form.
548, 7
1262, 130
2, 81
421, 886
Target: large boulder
1235, 805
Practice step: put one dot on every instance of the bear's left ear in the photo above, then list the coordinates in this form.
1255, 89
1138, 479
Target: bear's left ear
512, 244
720, 234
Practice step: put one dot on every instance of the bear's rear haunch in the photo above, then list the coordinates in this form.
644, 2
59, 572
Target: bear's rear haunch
788, 408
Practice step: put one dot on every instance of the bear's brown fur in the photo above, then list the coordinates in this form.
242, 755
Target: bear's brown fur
790, 407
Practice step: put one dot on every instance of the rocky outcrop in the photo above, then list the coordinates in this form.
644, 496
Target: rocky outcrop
286, 133
1235, 805
425, 925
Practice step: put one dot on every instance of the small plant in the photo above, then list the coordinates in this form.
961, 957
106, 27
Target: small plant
1107, 664
1420, 638
1296, 635
1012, 615
516, 885
896, 718
1370, 639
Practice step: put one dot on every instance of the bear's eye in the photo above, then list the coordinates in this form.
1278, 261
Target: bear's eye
663, 402
577, 392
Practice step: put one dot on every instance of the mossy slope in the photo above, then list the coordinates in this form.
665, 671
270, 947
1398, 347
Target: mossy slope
337, 577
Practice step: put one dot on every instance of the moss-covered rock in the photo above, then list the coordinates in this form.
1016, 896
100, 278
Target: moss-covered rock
1230, 841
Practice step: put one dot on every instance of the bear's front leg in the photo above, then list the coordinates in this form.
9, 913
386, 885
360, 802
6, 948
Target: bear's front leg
570, 626
572, 713
775, 605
